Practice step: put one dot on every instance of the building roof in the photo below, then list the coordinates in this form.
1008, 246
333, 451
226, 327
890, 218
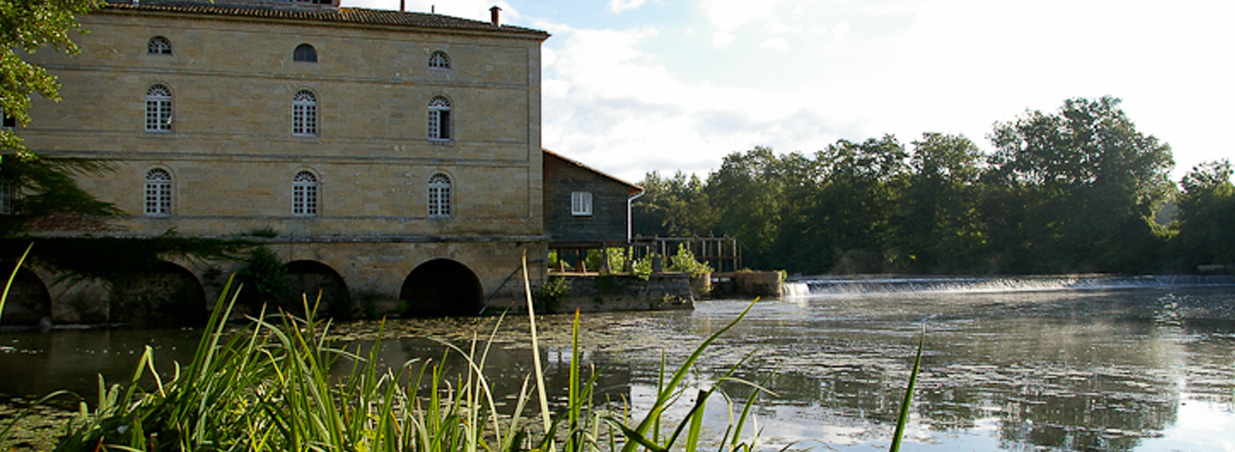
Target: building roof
630, 188
341, 15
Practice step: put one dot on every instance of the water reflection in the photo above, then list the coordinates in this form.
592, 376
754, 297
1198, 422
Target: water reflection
1140, 370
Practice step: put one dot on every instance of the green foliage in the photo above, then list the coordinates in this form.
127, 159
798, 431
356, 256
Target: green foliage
672, 207
50, 198
29, 26
548, 298
642, 267
1073, 190
1206, 213
684, 261
117, 260
265, 281
273, 389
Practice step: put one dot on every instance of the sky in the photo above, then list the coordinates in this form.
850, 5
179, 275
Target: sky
635, 86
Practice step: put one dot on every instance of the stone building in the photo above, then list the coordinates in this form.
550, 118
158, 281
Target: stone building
394, 154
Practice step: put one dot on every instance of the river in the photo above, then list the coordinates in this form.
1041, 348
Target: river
1119, 367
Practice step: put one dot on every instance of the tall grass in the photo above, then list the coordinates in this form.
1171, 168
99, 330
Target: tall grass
269, 388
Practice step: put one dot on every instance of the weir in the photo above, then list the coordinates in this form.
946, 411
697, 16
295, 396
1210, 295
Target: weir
818, 285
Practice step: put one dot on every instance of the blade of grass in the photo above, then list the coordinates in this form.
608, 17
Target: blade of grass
9, 285
903, 419
667, 392
540, 374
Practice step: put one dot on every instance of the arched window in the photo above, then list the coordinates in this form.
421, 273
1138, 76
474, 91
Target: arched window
304, 114
439, 196
439, 119
305, 53
158, 193
158, 45
304, 194
439, 60
158, 109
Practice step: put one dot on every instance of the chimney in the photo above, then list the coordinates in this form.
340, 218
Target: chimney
493, 16
403, 6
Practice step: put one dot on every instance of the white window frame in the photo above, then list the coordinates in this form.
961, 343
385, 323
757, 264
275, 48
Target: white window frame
159, 45
158, 199
439, 60
440, 188
304, 114
440, 126
581, 203
158, 109
304, 194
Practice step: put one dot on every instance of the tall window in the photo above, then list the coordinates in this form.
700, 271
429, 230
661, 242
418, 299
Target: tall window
9, 122
439, 60
158, 45
304, 114
439, 119
305, 53
158, 109
158, 193
581, 203
439, 196
304, 194
8, 196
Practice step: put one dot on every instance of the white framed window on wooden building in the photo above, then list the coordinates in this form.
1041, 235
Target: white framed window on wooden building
581, 203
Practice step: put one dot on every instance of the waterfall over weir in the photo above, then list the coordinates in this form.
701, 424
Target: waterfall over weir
816, 286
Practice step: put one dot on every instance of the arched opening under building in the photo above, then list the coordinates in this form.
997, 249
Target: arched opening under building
309, 278
170, 296
28, 303
441, 287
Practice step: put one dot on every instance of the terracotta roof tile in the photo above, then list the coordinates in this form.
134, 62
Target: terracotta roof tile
334, 15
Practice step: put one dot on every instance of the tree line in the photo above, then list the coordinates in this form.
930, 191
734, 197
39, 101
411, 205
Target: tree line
1075, 190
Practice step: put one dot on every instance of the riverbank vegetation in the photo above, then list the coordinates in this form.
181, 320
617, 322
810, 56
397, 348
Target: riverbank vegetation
1075, 190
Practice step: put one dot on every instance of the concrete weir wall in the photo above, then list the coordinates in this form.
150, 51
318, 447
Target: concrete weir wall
596, 293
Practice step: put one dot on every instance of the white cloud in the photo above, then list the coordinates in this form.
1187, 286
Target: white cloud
777, 44
721, 39
617, 6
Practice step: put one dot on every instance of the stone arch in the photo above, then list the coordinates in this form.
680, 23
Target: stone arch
29, 300
307, 278
170, 295
441, 287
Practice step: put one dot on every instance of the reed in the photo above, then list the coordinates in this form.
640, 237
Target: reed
269, 388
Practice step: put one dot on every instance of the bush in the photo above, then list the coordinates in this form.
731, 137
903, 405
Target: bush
265, 281
684, 261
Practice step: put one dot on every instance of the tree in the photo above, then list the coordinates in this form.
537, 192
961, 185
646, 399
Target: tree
942, 229
1206, 212
672, 207
1087, 182
857, 202
747, 197
52, 198
29, 26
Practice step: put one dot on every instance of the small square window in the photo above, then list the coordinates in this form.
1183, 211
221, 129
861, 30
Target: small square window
581, 204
